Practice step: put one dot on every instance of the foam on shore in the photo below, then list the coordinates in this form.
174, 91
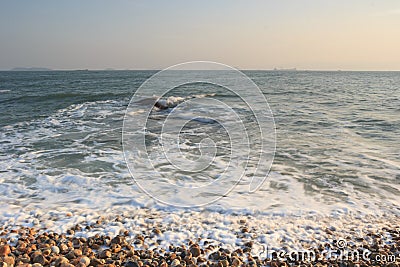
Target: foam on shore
228, 230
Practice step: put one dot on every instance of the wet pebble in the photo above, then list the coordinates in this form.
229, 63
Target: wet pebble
5, 250
175, 263
195, 250
85, 261
55, 250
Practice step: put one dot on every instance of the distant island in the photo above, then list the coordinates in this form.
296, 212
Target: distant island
31, 69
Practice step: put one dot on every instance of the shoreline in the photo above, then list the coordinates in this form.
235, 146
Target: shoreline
257, 237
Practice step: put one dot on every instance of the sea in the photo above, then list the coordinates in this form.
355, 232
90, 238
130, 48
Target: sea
334, 143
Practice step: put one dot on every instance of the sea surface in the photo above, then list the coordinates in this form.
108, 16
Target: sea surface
337, 137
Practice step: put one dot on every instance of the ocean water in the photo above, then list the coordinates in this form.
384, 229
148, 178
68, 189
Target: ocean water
337, 138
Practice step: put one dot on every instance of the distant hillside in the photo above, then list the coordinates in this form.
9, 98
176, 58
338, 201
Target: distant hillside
31, 69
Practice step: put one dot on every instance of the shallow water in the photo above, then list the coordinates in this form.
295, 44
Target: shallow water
337, 141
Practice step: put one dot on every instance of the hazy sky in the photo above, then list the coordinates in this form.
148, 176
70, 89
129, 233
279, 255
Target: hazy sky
129, 34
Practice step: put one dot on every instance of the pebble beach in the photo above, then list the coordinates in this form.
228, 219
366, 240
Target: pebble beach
150, 237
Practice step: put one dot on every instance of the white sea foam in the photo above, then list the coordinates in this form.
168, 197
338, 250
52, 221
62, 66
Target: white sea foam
276, 232
98, 178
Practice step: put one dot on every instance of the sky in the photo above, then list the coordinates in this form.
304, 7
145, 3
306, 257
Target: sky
150, 34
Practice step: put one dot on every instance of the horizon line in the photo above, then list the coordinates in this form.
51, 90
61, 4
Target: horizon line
45, 69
